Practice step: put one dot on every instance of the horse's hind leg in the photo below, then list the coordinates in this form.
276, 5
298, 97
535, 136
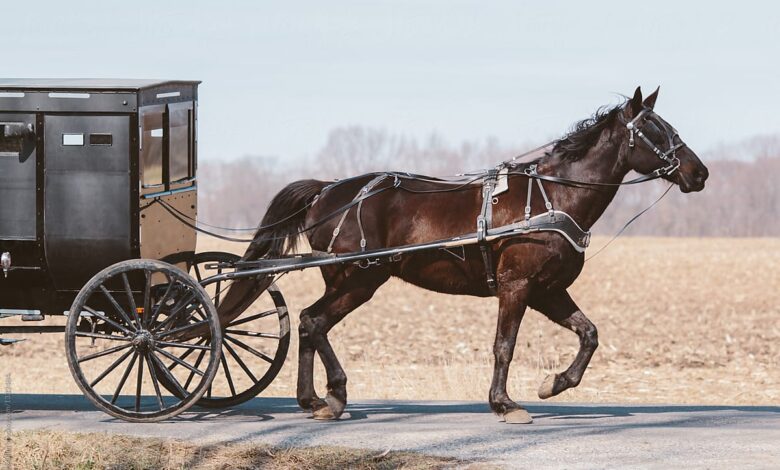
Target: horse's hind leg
560, 308
347, 289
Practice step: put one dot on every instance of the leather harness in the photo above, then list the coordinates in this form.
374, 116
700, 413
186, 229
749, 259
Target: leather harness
552, 221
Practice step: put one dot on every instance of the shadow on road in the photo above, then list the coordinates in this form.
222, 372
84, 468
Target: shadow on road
362, 409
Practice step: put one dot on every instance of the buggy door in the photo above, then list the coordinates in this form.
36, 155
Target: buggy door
17, 177
86, 196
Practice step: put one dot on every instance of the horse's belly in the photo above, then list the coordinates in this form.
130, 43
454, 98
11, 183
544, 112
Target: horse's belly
444, 272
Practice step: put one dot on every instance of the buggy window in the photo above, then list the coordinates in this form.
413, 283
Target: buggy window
152, 146
180, 141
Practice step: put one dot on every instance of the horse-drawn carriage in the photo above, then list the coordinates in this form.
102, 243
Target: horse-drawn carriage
85, 168
98, 223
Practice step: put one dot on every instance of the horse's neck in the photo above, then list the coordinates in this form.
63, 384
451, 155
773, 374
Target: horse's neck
601, 164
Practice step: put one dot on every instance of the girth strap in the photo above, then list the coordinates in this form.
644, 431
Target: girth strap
485, 223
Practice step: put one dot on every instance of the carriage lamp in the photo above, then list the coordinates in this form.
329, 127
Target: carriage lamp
5, 262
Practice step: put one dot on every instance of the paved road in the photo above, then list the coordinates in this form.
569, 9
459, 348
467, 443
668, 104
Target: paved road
562, 436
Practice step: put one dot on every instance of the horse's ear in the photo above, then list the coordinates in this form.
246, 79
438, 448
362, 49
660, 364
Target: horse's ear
650, 100
635, 105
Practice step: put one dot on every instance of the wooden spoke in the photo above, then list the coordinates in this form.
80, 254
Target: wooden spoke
254, 317
107, 320
227, 374
216, 289
197, 272
147, 295
153, 374
111, 368
124, 378
177, 310
87, 334
170, 377
131, 301
179, 361
104, 352
139, 383
183, 328
252, 333
240, 362
182, 345
197, 363
116, 306
161, 303
217, 297
187, 353
246, 347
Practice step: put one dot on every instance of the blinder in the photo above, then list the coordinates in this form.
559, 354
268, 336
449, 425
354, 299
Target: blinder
670, 155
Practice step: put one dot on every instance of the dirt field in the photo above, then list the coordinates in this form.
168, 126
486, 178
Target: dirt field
680, 321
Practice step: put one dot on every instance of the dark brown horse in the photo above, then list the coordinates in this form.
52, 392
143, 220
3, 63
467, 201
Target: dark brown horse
531, 270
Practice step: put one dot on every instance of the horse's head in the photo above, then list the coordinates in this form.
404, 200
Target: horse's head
655, 146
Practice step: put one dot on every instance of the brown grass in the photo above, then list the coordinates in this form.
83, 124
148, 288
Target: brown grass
55, 450
680, 321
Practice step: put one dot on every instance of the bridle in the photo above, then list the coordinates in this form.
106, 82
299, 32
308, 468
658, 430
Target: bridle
670, 155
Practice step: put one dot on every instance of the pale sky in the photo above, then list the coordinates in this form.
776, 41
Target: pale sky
277, 76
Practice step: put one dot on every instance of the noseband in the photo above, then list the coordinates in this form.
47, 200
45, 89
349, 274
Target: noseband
670, 155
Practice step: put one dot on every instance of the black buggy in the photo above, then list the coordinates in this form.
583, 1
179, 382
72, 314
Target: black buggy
87, 170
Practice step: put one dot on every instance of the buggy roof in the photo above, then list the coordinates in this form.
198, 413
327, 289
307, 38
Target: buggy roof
87, 83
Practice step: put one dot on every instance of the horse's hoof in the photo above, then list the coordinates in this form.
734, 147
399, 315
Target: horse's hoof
328, 409
324, 414
321, 410
547, 388
336, 406
519, 416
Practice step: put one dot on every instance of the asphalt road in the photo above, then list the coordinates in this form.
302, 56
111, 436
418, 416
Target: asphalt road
562, 435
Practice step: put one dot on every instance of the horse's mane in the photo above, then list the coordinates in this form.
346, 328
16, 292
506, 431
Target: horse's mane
584, 134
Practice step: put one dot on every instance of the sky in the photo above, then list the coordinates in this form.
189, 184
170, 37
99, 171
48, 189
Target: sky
278, 76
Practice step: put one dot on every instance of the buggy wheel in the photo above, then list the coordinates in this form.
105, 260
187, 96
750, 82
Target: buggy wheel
126, 331
254, 344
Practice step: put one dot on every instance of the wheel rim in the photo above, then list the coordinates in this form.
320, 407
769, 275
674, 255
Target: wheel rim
127, 340
254, 345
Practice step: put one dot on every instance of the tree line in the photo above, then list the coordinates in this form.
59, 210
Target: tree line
740, 200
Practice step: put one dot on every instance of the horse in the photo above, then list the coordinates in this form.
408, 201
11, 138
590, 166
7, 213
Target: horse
582, 173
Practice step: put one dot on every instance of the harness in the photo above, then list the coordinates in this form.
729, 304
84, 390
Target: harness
551, 221
361, 196
494, 182
485, 223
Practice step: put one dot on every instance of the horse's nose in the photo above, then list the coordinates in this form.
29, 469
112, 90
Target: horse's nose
701, 174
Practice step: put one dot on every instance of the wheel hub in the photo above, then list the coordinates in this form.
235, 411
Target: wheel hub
143, 341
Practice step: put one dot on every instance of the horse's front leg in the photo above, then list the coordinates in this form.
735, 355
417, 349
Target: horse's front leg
512, 298
560, 308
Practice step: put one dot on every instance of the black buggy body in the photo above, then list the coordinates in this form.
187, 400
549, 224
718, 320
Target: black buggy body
79, 161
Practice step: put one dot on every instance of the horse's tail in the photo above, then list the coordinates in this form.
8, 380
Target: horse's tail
278, 233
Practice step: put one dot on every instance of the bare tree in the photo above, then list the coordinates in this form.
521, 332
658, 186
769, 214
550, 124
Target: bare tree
741, 197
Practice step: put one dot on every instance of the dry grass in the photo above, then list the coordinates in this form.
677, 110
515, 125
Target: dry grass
55, 450
680, 321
